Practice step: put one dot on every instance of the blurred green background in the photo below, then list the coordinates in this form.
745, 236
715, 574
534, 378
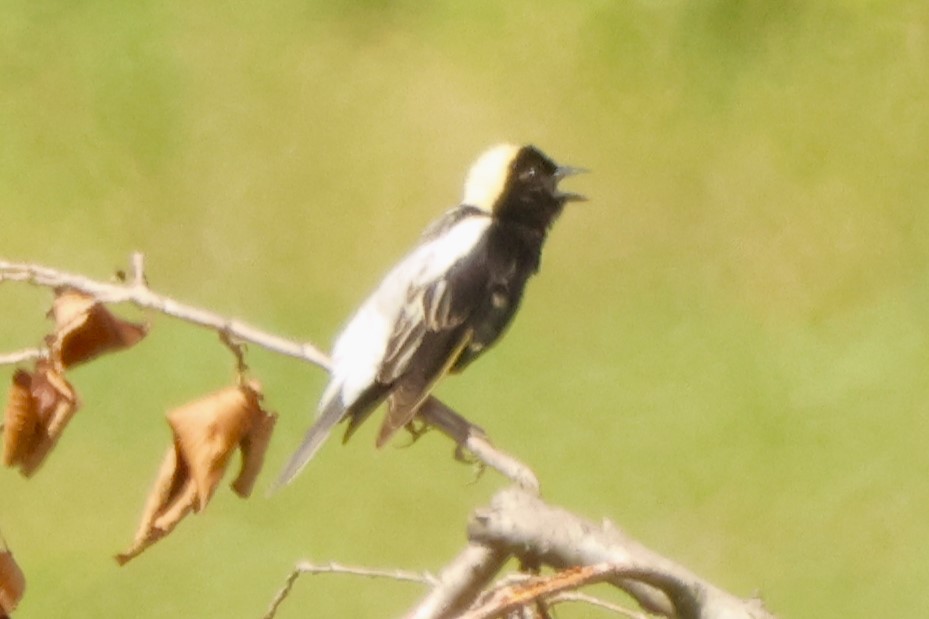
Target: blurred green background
726, 352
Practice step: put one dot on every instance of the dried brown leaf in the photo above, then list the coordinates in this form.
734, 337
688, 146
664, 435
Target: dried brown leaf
70, 307
54, 397
39, 407
85, 328
20, 420
206, 432
55, 403
254, 445
12, 583
171, 498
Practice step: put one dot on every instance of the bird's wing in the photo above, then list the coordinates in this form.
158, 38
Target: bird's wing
445, 278
431, 307
425, 336
431, 329
437, 353
382, 338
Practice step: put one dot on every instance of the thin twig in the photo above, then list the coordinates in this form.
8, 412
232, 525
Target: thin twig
23, 356
577, 597
305, 567
425, 578
521, 579
136, 292
508, 599
238, 351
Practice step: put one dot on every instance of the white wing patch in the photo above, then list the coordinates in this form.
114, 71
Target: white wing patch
360, 348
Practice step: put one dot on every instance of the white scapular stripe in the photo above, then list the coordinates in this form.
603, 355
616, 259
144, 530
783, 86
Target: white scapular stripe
360, 348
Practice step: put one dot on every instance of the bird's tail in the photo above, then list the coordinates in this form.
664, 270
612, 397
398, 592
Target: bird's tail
331, 414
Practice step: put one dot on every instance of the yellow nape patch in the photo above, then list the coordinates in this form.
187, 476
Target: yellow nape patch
487, 176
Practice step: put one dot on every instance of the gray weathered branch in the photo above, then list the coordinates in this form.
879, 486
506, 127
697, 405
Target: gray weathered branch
527, 527
460, 582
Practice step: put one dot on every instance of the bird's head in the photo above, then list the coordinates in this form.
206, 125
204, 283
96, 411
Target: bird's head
519, 184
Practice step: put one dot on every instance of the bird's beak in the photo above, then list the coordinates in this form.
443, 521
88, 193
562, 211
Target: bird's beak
563, 172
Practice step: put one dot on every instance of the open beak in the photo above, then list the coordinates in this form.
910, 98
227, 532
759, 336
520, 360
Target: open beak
563, 172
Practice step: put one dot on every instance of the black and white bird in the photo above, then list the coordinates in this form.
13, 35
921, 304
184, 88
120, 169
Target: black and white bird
447, 301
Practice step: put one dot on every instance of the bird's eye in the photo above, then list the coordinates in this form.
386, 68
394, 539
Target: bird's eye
529, 173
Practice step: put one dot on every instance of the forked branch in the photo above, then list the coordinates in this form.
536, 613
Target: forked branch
519, 525
524, 526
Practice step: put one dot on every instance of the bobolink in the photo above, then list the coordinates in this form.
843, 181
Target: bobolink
447, 301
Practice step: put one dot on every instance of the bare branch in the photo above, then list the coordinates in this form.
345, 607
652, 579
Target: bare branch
238, 351
305, 567
577, 597
136, 292
138, 270
473, 440
22, 356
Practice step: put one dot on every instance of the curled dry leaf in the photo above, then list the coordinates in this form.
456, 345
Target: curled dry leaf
253, 445
39, 407
171, 498
20, 422
206, 433
12, 583
42, 403
85, 329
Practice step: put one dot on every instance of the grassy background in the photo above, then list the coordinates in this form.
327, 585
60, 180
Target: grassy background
727, 350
